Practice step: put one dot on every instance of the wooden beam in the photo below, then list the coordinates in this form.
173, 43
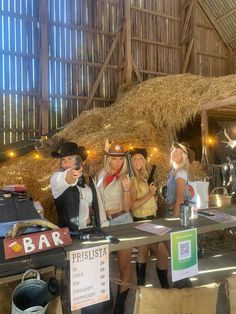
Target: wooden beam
137, 71
194, 26
158, 43
170, 17
44, 103
82, 28
211, 55
186, 21
204, 131
205, 9
225, 15
231, 100
81, 97
99, 77
231, 39
88, 63
154, 72
187, 56
128, 53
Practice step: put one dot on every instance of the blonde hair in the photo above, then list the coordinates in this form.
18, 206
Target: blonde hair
141, 174
108, 169
183, 165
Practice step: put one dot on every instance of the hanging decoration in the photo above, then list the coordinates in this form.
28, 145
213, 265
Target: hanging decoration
230, 143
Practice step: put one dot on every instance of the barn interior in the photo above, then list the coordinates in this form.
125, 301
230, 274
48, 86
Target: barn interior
144, 72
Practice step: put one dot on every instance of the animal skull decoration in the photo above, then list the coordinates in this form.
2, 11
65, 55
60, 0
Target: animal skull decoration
230, 143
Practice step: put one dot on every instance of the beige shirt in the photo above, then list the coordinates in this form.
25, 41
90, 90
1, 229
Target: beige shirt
112, 194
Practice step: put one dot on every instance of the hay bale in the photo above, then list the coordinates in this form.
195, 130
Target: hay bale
147, 114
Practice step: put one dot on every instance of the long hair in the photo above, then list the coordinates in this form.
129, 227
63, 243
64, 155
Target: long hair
141, 174
183, 165
108, 169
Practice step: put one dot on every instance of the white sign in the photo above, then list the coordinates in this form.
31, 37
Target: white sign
89, 276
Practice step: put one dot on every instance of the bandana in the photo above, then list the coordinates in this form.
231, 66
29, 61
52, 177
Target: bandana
109, 178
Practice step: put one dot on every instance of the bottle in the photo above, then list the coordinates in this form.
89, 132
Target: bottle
185, 214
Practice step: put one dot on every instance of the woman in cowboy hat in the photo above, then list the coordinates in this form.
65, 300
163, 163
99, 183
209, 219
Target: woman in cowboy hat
177, 192
177, 183
74, 196
143, 205
114, 186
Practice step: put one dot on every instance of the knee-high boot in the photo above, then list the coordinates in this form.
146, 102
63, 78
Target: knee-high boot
140, 272
162, 276
120, 302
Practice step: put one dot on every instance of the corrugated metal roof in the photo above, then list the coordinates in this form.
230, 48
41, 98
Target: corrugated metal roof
222, 14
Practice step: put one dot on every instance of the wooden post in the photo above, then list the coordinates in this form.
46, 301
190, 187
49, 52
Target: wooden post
194, 28
186, 43
204, 129
128, 55
44, 103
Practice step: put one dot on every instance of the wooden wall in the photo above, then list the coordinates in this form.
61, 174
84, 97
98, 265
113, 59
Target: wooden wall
71, 55
201, 43
211, 52
19, 70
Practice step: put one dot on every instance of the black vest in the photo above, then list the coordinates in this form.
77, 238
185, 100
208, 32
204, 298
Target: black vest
67, 206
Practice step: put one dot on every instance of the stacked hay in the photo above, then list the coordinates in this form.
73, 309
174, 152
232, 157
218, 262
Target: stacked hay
146, 115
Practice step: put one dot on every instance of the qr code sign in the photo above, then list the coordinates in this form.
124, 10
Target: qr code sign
184, 250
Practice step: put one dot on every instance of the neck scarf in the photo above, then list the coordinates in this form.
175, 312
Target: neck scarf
110, 177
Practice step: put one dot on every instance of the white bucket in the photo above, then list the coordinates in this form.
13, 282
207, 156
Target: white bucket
25, 295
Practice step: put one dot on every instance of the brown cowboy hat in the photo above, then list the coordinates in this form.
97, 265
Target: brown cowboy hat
115, 149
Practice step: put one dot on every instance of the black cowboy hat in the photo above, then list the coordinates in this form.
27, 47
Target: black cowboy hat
139, 150
185, 147
70, 149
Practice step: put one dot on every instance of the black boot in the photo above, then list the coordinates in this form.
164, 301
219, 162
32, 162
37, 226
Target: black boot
162, 276
140, 272
120, 302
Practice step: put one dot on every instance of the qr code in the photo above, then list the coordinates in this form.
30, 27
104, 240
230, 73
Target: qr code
184, 250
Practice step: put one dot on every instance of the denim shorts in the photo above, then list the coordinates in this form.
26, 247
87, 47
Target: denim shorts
121, 220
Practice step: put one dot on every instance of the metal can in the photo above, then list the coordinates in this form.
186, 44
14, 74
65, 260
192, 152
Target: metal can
185, 214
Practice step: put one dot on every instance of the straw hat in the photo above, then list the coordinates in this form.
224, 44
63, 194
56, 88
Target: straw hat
185, 147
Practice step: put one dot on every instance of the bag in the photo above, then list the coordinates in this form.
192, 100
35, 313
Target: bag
198, 193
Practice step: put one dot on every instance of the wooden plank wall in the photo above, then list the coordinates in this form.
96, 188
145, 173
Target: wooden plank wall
80, 35
19, 65
211, 52
155, 37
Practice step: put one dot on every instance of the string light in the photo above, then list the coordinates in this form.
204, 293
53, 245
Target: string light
210, 140
88, 152
155, 149
11, 154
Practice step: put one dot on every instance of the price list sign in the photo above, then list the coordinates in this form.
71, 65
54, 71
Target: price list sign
89, 276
